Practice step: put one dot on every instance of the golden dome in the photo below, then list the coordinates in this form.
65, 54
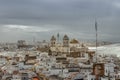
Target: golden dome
74, 41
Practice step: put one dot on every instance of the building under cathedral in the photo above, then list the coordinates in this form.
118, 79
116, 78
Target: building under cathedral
70, 47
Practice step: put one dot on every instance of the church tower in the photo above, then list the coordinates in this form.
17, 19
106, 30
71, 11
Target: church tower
53, 41
65, 41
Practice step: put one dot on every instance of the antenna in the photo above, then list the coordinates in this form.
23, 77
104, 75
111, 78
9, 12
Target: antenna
96, 37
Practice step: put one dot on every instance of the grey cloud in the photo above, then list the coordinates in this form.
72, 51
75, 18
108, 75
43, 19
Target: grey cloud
73, 16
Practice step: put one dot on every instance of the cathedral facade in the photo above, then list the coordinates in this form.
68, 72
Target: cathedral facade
71, 48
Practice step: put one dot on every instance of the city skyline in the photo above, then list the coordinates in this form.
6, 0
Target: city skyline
28, 19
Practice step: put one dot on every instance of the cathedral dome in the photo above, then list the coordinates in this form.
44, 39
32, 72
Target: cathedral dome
74, 41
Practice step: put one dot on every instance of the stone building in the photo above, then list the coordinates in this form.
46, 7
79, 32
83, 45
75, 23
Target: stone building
72, 48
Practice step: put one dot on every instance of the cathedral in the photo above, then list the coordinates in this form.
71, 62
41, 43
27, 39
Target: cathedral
71, 48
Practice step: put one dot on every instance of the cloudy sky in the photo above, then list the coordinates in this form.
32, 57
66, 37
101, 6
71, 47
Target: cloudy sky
40, 19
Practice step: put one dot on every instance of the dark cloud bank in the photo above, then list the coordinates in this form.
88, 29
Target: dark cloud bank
25, 19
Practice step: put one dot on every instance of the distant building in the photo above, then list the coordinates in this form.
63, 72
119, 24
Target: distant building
21, 43
42, 46
8, 46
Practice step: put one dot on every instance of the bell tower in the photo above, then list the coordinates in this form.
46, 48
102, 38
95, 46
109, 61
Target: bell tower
53, 41
65, 41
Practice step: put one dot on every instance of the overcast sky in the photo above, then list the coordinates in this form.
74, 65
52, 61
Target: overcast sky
40, 19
